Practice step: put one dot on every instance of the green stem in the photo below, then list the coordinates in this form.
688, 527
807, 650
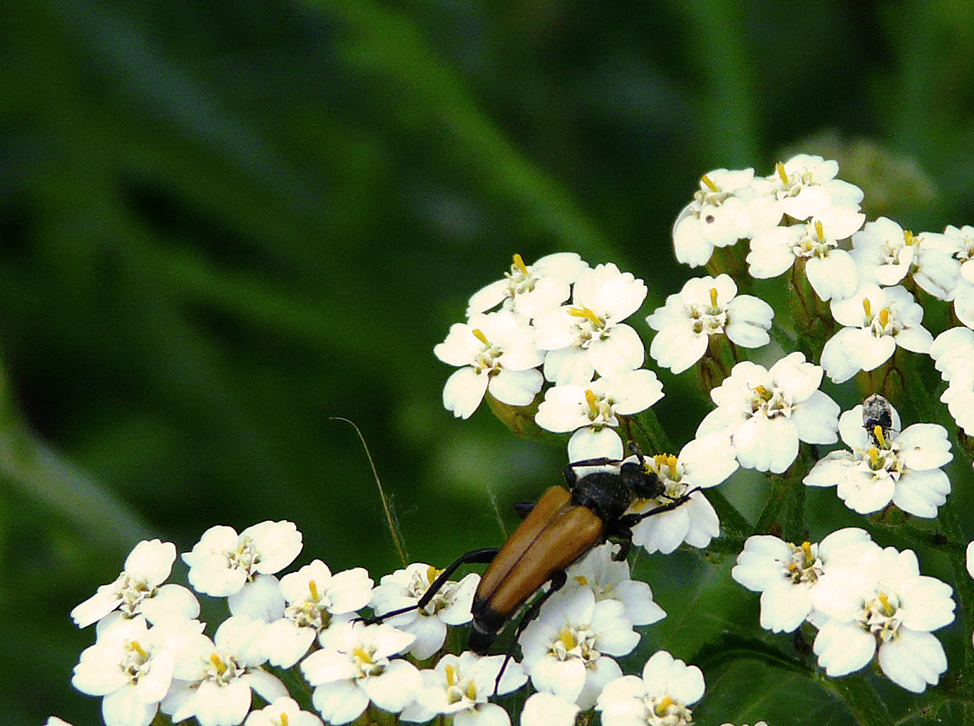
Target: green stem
860, 698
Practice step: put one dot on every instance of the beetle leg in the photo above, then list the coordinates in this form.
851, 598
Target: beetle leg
557, 582
569, 471
624, 525
481, 556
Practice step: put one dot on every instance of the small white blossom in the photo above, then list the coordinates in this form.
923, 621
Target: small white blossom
459, 687
706, 307
785, 573
449, 606
282, 712
530, 289
970, 558
609, 580
876, 321
223, 562
953, 355
588, 336
805, 186
496, 352
568, 647
882, 467
766, 412
718, 216
703, 463
877, 603
131, 665
139, 590
591, 411
314, 597
831, 271
355, 666
215, 678
662, 696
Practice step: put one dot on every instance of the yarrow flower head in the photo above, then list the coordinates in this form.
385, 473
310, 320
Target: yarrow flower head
139, 589
805, 186
315, 598
885, 465
496, 353
588, 336
608, 579
877, 321
663, 695
718, 216
766, 412
449, 606
878, 604
953, 355
592, 411
530, 289
282, 712
706, 307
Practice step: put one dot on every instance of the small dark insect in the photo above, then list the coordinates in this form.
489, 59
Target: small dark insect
877, 412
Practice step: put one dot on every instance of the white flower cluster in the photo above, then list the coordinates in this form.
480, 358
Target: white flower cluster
865, 602
312, 619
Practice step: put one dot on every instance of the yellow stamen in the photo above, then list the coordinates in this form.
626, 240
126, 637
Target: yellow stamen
782, 174
706, 180
432, 573
908, 238
451, 675
878, 433
884, 317
671, 463
819, 229
217, 663
581, 580
888, 609
283, 719
663, 705
873, 454
478, 334
134, 645
519, 264
763, 392
867, 307
585, 313
362, 654
593, 402
471, 690
313, 589
713, 297
566, 638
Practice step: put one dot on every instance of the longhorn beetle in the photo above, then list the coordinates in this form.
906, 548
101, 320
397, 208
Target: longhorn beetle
563, 526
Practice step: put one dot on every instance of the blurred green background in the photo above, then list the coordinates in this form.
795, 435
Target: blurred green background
223, 223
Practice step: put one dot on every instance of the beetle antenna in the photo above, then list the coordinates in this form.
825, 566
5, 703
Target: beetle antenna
391, 519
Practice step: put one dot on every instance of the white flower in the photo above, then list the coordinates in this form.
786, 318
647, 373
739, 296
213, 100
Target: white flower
766, 412
547, 709
215, 677
459, 686
592, 411
449, 606
878, 601
953, 355
589, 336
222, 562
131, 665
805, 186
497, 353
705, 307
876, 321
785, 573
717, 216
970, 558
830, 271
282, 712
355, 666
884, 466
703, 463
662, 696
530, 289
567, 648
137, 589
55, 721
609, 580
314, 596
